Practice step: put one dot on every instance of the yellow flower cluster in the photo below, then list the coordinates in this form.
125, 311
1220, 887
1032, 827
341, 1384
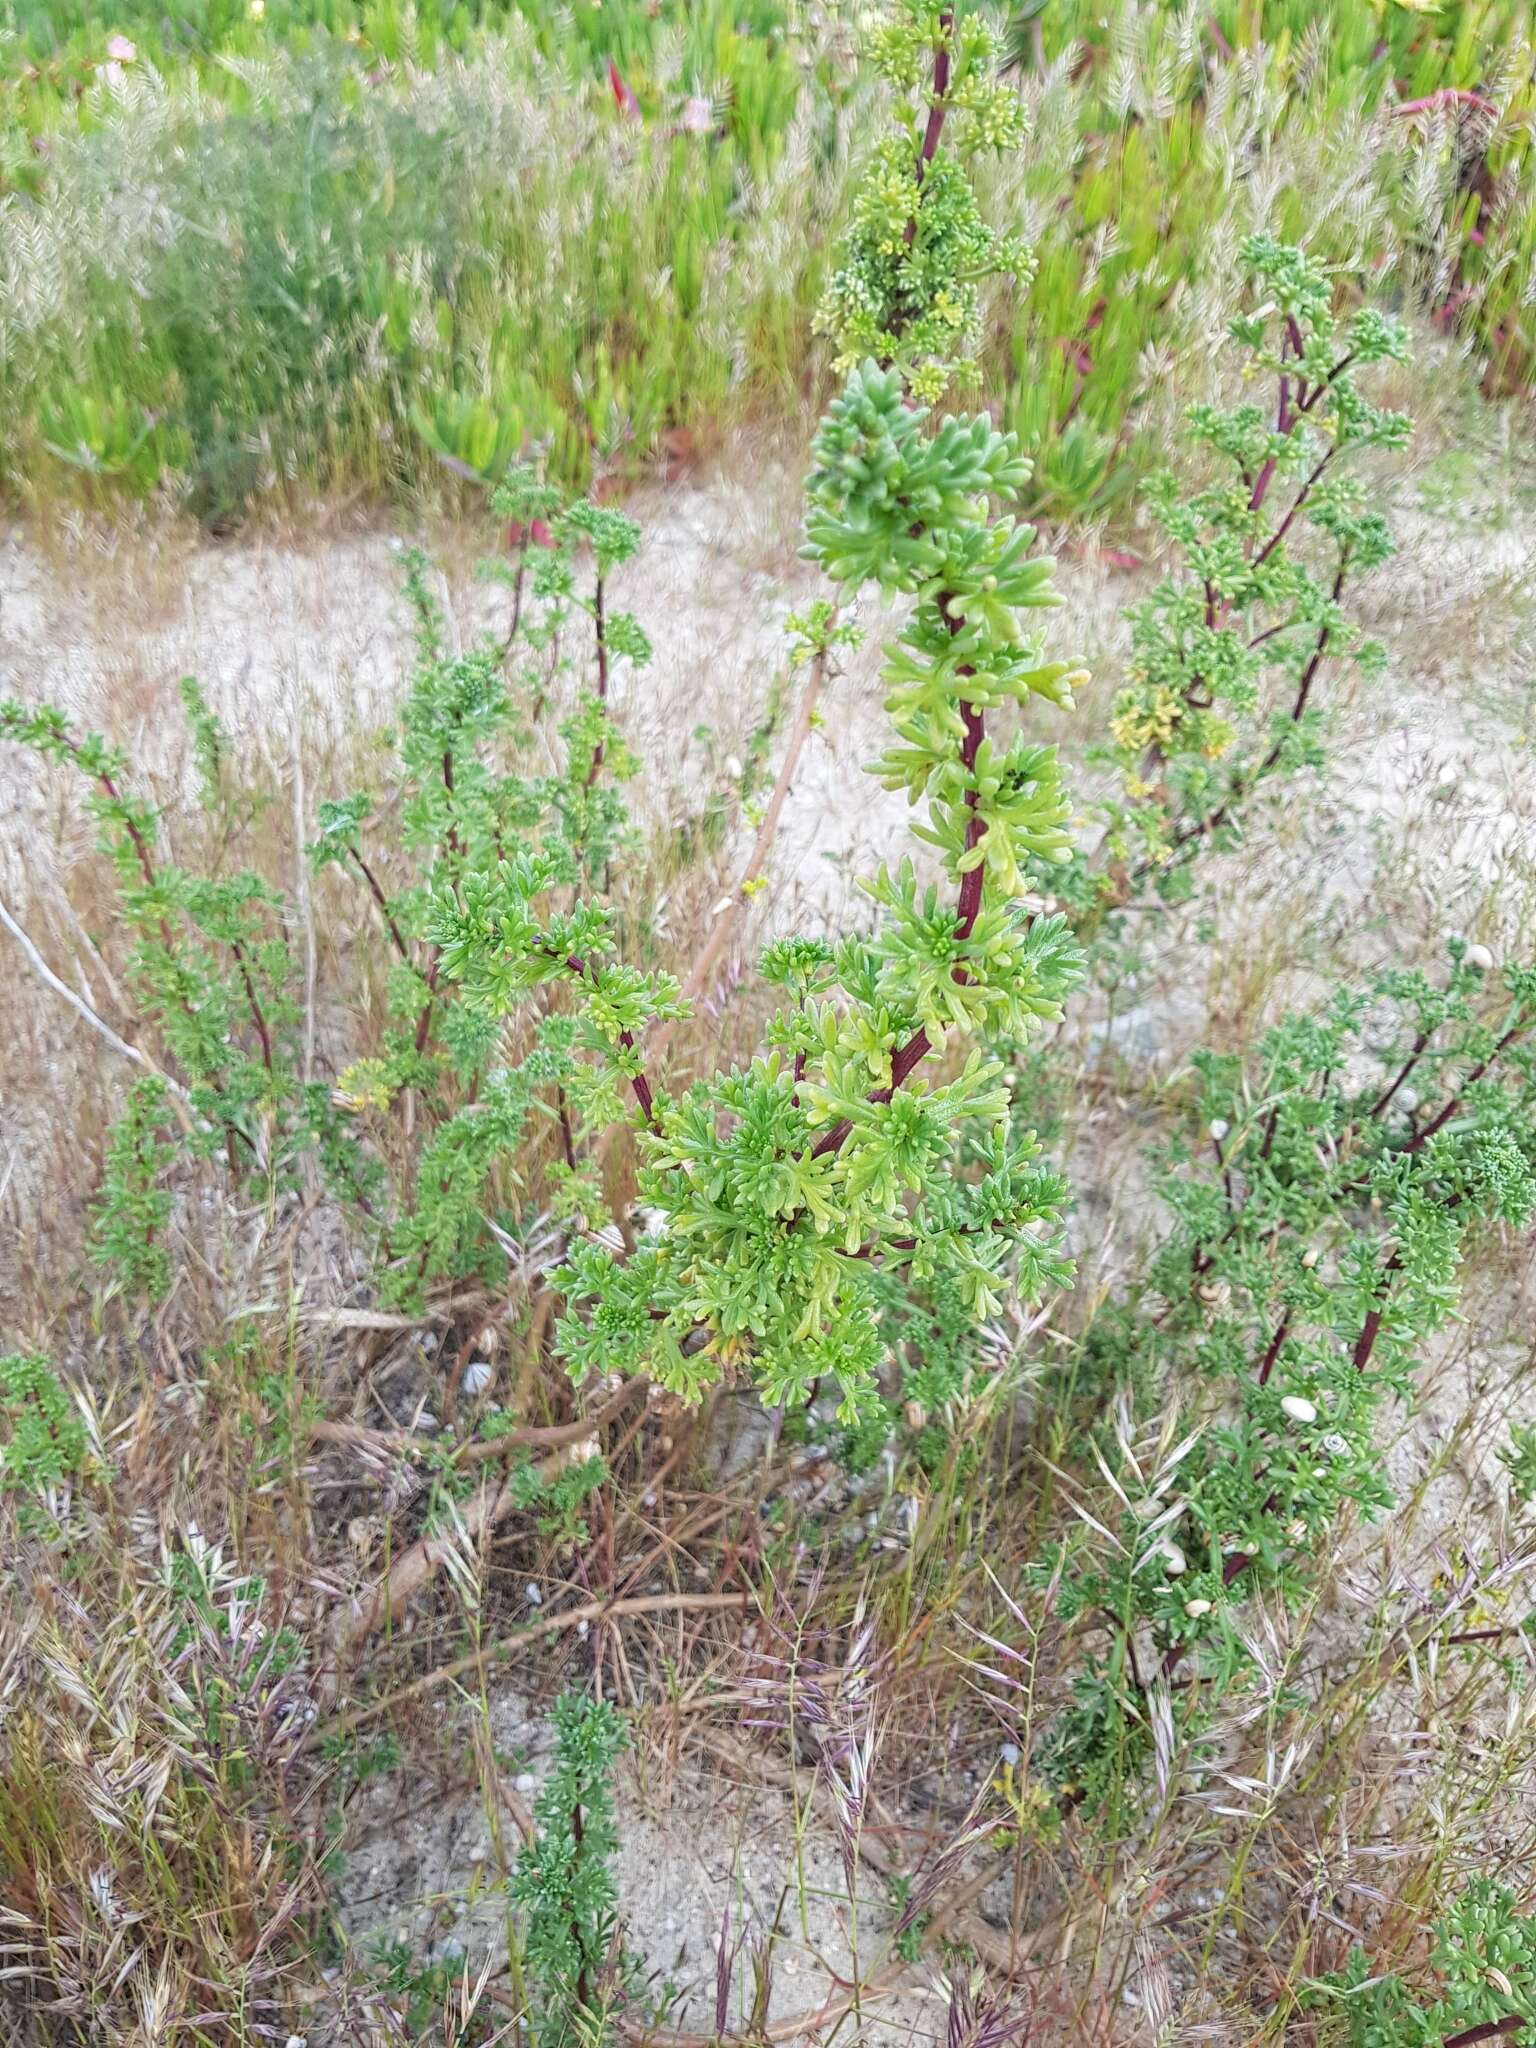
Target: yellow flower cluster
1147, 718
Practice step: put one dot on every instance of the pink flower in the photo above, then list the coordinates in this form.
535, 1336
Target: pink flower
120, 50
698, 116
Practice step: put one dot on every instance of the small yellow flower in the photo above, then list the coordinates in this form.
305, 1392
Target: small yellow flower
364, 1085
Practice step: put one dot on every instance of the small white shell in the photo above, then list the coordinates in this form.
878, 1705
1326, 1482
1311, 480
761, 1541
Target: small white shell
1174, 1560
478, 1375
1478, 957
1219, 1128
532, 1595
1298, 1408
1195, 1608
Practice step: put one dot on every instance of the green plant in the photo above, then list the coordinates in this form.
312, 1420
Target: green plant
1519, 1456
781, 1198
564, 1879
1322, 1199
134, 1206
1484, 1963
42, 1437
778, 1189
1228, 655
215, 976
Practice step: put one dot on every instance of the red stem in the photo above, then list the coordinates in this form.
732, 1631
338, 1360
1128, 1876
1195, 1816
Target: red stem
250, 995
936, 113
642, 1087
599, 621
1267, 1363
1477, 1073
967, 910
423, 1022
382, 901
1419, 1046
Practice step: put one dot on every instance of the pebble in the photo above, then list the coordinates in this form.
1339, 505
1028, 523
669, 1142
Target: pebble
1298, 1408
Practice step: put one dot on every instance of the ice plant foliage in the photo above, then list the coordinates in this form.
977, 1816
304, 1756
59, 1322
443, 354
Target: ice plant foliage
1321, 1202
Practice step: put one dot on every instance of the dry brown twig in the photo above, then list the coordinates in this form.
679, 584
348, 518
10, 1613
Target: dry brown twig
530, 1632
480, 1451
354, 1623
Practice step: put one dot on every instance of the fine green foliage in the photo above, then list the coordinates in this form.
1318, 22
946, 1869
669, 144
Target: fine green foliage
134, 1206
564, 1880
218, 983
1321, 1207
483, 845
42, 1438
1229, 652
1484, 1966
213, 975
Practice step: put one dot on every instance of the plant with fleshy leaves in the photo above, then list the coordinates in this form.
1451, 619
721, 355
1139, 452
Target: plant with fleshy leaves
781, 1195
1230, 652
1321, 1202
